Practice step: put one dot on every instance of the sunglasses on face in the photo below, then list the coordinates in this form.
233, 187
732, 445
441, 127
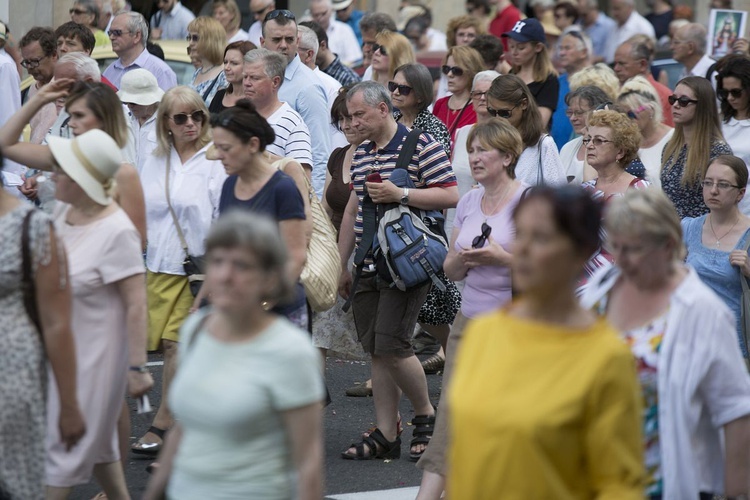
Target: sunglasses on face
287, 14
78, 12
182, 118
377, 47
502, 113
479, 241
192, 38
725, 93
402, 89
117, 33
32, 63
682, 101
452, 69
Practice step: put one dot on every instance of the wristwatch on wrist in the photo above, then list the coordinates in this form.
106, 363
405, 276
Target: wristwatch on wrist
140, 369
405, 197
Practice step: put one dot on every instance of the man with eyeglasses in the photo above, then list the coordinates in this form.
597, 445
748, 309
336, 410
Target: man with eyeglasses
371, 24
575, 54
39, 52
301, 89
128, 34
689, 48
341, 38
170, 22
259, 9
634, 58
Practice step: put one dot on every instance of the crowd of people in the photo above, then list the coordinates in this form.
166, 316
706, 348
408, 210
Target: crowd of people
569, 230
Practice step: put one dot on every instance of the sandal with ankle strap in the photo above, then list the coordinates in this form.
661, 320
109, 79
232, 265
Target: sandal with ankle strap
377, 446
399, 428
423, 427
151, 449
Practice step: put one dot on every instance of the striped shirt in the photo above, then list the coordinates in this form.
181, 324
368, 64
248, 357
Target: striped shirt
292, 136
429, 166
344, 74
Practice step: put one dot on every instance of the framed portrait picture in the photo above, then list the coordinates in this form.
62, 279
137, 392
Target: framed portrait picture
724, 27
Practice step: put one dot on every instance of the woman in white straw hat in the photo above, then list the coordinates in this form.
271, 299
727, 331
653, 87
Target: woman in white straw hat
141, 93
107, 279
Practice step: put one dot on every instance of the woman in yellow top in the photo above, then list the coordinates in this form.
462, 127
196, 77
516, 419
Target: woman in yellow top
544, 402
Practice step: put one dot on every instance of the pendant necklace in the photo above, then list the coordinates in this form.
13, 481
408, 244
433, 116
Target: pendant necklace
502, 198
718, 240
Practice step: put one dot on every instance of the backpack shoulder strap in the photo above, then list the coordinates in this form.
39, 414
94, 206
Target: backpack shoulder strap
408, 148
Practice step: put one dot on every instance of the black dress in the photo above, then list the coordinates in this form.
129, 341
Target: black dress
216, 106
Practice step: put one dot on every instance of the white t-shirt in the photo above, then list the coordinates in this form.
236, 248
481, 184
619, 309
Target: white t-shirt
229, 399
651, 159
527, 168
343, 42
571, 164
292, 135
194, 191
737, 135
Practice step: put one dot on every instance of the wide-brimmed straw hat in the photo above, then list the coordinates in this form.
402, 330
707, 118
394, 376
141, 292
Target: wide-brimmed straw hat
91, 160
139, 86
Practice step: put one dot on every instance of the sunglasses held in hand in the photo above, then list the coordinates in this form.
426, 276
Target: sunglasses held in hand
480, 240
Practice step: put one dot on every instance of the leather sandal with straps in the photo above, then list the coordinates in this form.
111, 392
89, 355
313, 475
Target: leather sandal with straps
151, 449
423, 428
374, 446
399, 428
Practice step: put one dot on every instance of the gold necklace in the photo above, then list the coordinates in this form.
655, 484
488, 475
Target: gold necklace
718, 240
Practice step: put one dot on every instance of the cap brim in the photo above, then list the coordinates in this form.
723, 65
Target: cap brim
62, 150
141, 99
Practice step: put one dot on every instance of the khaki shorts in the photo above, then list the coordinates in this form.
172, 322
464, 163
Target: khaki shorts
385, 317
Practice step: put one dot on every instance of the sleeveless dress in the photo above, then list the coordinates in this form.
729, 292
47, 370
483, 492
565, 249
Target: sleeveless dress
22, 362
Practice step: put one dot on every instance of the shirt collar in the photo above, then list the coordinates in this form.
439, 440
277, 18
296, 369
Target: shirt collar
395, 142
292, 67
139, 61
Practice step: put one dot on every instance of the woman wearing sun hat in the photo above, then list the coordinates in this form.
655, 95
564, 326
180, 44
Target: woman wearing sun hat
107, 280
141, 93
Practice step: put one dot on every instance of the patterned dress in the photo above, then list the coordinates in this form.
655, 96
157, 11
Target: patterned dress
208, 89
429, 123
688, 200
23, 374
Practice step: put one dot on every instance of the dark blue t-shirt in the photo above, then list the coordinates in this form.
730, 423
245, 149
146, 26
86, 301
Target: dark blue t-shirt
279, 199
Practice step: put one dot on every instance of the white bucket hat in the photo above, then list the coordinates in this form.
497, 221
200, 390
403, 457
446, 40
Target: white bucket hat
139, 86
91, 160
341, 4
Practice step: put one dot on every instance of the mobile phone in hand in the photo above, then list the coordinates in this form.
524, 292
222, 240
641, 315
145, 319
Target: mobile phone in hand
374, 177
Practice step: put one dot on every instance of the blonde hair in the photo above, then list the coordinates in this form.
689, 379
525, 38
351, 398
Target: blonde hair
233, 9
399, 51
599, 75
646, 213
181, 94
467, 58
212, 38
637, 92
499, 134
625, 133
543, 66
706, 132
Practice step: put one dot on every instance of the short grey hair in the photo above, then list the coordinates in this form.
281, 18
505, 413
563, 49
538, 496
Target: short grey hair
137, 24
641, 47
92, 7
308, 39
85, 66
274, 64
487, 75
580, 37
373, 93
695, 33
594, 96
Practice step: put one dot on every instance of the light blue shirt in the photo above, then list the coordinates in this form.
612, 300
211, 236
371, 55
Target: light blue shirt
304, 92
161, 70
599, 32
174, 25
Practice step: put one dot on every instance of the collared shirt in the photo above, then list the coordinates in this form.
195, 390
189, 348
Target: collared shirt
292, 135
303, 91
344, 74
700, 69
332, 86
635, 25
343, 41
599, 32
255, 32
144, 137
432, 169
174, 24
194, 192
161, 70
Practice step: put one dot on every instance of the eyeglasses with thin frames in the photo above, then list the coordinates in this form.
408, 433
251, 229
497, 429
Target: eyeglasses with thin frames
722, 185
479, 241
596, 141
181, 118
502, 113
117, 33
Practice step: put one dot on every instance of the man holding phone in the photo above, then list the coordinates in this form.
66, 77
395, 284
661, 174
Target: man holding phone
385, 316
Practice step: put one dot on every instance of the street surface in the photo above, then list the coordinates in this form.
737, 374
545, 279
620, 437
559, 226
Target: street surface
344, 421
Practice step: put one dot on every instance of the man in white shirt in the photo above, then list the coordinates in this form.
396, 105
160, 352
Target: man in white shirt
629, 23
10, 102
308, 52
341, 38
263, 74
259, 9
171, 21
689, 48
140, 92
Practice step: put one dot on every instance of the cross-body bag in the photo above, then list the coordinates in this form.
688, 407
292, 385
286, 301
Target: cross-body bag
408, 244
322, 270
192, 265
745, 308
